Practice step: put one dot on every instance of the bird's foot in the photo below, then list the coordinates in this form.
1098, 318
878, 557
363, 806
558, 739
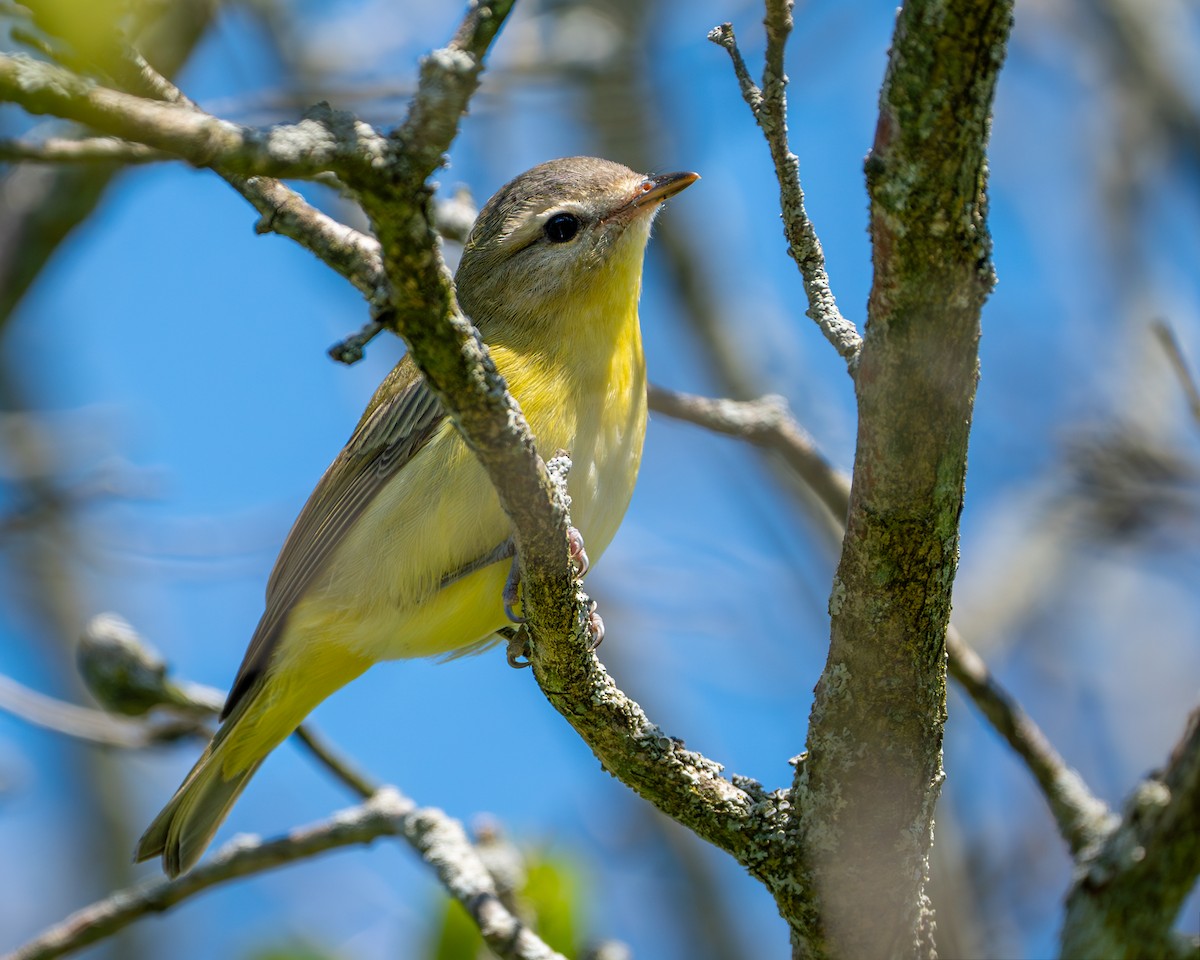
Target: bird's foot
595, 625
579, 555
518, 651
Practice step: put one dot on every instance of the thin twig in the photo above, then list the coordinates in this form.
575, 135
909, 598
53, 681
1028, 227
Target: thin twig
767, 423
722, 36
83, 150
351, 349
441, 841
84, 723
1081, 817
328, 755
324, 141
1170, 344
768, 105
351, 253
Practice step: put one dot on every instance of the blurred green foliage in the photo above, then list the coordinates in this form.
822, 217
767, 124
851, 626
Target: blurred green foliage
550, 901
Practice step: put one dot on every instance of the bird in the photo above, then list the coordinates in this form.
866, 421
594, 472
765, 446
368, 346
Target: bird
402, 550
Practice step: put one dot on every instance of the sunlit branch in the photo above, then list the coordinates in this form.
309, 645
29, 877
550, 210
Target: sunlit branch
82, 150
767, 422
768, 104
1187, 380
439, 840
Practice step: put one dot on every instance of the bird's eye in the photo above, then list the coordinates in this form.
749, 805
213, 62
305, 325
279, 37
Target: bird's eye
561, 227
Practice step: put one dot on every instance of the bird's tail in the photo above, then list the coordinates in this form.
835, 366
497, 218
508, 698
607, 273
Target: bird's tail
262, 718
183, 830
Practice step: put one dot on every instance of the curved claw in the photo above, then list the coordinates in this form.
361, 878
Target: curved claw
579, 555
595, 625
518, 651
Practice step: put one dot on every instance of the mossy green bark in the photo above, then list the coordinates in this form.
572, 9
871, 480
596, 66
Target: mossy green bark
873, 772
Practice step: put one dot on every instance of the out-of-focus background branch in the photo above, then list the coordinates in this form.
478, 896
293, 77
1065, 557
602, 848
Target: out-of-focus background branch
166, 405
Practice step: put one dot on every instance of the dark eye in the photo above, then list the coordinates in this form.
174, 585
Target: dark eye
561, 227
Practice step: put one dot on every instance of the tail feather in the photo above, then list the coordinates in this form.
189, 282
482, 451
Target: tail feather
183, 830
186, 825
261, 719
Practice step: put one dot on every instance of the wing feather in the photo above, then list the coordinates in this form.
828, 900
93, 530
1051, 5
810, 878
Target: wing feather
400, 420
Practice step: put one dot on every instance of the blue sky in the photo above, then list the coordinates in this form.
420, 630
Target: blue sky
171, 345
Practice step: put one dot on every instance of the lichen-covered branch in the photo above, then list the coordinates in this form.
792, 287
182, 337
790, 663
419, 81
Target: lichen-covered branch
768, 104
1082, 817
130, 679
441, 841
867, 792
1131, 886
684, 784
82, 150
767, 423
447, 348
423, 310
324, 141
738, 817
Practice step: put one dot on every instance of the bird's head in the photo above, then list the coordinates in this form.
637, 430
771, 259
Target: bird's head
565, 237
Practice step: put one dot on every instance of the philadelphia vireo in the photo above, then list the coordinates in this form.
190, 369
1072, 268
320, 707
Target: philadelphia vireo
400, 550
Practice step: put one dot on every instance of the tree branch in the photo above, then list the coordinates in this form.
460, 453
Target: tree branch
1187, 382
324, 141
1125, 900
443, 342
867, 791
1081, 817
82, 150
768, 423
456, 364
353, 255
737, 816
330, 758
769, 108
439, 840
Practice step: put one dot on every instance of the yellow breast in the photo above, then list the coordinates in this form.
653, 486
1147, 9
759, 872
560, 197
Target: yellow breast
596, 411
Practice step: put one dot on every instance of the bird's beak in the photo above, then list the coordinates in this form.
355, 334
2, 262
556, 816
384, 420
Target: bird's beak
649, 194
654, 190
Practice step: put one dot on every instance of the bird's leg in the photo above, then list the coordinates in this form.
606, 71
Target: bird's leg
517, 652
512, 591
518, 641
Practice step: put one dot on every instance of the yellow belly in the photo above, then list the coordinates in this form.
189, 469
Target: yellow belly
381, 596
